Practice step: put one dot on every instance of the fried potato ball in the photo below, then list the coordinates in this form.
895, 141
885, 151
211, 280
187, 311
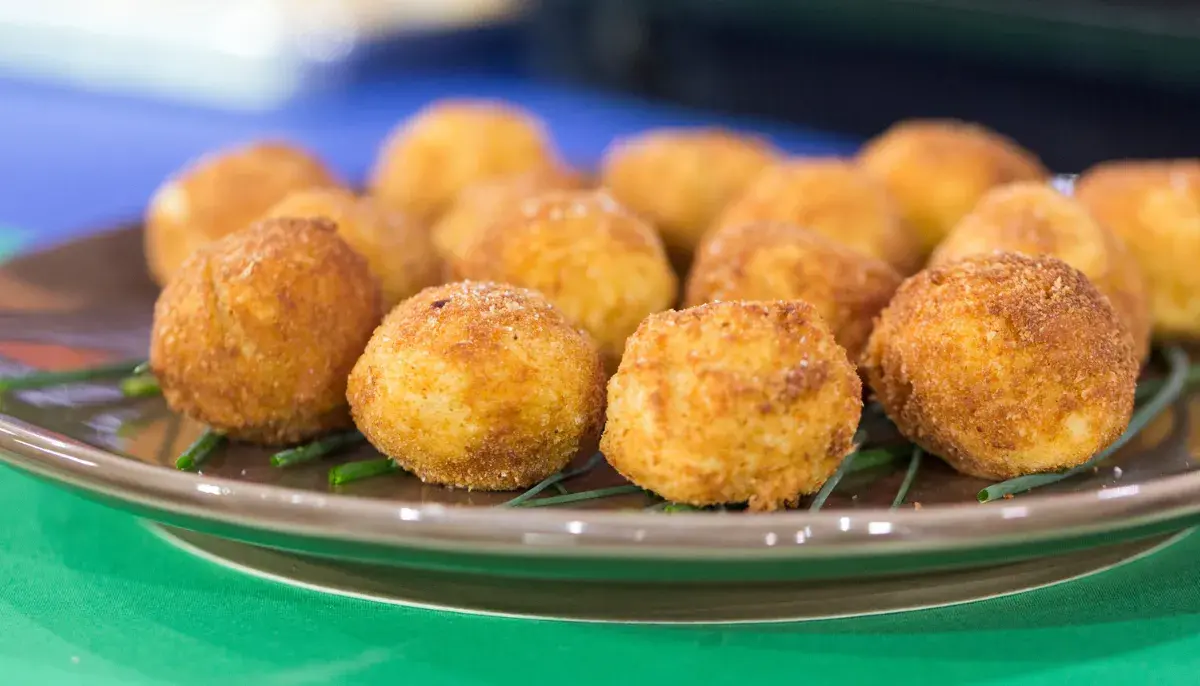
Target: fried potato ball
775, 261
398, 251
430, 158
603, 267
478, 386
488, 201
1004, 365
1155, 207
938, 169
221, 193
833, 198
257, 332
681, 179
1034, 219
732, 402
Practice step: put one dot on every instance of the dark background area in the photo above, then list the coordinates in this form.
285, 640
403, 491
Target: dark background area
1078, 81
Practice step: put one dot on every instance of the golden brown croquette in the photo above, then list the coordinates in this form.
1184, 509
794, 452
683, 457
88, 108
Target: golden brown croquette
681, 179
490, 201
775, 261
1155, 208
835, 199
732, 402
938, 169
1034, 219
397, 250
221, 193
478, 386
256, 334
601, 266
449, 145
1004, 365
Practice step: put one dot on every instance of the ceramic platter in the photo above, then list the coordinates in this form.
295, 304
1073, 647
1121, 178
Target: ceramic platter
90, 300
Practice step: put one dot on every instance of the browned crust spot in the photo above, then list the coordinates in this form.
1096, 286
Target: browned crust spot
987, 361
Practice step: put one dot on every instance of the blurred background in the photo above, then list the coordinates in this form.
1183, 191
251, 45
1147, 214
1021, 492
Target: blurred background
1076, 80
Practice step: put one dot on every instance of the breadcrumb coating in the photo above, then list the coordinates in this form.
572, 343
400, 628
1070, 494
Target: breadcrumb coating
835, 199
1034, 219
479, 386
220, 193
1004, 365
1155, 207
681, 179
256, 334
732, 402
937, 169
601, 266
775, 261
437, 153
398, 251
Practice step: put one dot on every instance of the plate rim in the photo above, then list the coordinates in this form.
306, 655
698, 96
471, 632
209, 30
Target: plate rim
581, 533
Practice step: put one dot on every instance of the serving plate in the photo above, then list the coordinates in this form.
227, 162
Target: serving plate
90, 300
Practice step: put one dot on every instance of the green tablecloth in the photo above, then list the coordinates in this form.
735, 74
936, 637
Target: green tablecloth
89, 596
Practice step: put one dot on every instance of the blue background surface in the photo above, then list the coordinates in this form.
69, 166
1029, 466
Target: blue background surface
72, 162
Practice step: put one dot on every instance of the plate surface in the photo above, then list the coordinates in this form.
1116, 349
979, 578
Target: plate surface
90, 300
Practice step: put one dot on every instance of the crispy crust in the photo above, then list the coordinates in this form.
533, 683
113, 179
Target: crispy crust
258, 331
732, 402
1155, 207
681, 179
937, 169
833, 198
774, 261
1034, 219
397, 250
601, 266
478, 386
490, 201
221, 193
1003, 365
449, 145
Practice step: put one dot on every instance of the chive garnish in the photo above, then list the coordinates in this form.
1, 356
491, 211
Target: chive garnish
1150, 387
831, 483
914, 464
593, 462
583, 495
316, 449
364, 469
140, 386
44, 379
1177, 359
199, 451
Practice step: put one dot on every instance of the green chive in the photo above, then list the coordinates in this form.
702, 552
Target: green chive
561, 489
143, 368
593, 462
1150, 387
681, 507
199, 451
44, 379
140, 386
876, 457
584, 495
910, 476
822, 495
316, 449
1168, 393
356, 471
